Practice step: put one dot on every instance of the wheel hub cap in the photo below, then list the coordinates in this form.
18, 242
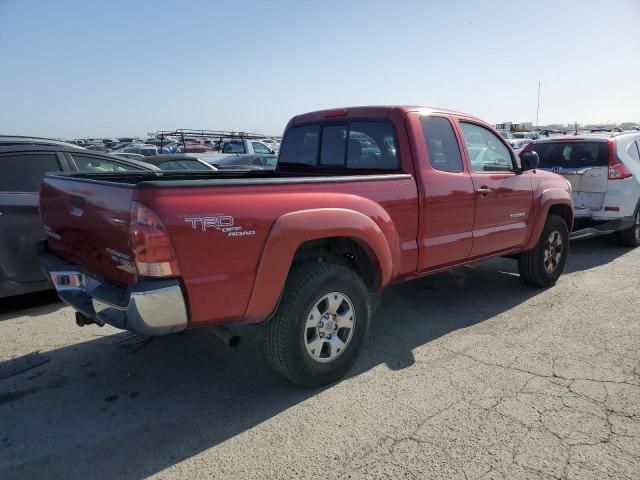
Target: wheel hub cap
329, 327
553, 251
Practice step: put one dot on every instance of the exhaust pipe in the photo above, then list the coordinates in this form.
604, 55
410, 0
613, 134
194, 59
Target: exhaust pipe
227, 336
82, 320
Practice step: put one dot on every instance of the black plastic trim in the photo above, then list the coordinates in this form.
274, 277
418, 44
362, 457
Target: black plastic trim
209, 180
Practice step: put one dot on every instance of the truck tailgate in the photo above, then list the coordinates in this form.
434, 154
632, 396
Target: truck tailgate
87, 223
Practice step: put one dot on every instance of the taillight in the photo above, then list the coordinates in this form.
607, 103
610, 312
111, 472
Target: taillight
617, 169
150, 243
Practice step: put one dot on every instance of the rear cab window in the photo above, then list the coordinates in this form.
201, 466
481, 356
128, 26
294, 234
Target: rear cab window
23, 173
442, 145
350, 145
572, 154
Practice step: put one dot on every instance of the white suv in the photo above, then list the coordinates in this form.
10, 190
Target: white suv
604, 172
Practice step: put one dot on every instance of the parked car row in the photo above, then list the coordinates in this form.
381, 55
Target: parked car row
181, 144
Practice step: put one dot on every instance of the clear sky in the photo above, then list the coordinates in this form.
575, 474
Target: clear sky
114, 68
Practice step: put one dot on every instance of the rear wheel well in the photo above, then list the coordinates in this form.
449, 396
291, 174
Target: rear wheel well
342, 251
564, 212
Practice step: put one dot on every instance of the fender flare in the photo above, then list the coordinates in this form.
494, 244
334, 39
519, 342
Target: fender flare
293, 229
549, 198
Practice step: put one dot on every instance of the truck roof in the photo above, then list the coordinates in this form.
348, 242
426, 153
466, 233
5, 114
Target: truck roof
372, 111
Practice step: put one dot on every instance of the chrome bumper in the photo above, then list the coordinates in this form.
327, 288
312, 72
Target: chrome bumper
148, 307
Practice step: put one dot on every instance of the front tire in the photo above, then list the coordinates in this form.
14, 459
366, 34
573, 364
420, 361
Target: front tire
318, 331
631, 236
543, 265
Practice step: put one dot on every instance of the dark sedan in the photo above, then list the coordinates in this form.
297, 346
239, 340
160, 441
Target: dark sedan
23, 163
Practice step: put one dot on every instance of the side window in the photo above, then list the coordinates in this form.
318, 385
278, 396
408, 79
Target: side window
634, 150
24, 173
89, 164
269, 161
260, 148
333, 146
486, 151
372, 145
300, 146
234, 147
442, 146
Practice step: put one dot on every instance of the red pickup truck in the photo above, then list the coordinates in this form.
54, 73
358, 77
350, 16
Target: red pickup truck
361, 198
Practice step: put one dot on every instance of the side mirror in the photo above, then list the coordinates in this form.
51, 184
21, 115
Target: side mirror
530, 160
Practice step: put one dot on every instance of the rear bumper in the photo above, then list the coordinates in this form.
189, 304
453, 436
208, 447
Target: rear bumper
153, 307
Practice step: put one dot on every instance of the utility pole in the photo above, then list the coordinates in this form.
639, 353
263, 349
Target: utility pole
538, 108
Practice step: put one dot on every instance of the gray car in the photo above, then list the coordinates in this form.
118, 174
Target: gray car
23, 163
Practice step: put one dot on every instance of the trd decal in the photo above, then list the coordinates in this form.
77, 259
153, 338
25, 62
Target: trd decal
222, 223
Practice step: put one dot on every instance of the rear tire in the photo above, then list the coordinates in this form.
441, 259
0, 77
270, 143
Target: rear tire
631, 236
318, 331
543, 265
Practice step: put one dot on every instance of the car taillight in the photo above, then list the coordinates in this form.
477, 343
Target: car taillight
150, 243
617, 169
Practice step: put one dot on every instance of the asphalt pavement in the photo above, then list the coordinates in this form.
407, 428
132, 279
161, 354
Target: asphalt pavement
468, 374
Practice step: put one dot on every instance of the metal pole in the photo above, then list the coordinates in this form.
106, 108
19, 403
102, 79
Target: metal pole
538, 108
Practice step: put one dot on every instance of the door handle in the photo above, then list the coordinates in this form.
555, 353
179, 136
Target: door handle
483, 191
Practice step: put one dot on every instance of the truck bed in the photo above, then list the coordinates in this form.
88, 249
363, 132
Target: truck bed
219, 223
